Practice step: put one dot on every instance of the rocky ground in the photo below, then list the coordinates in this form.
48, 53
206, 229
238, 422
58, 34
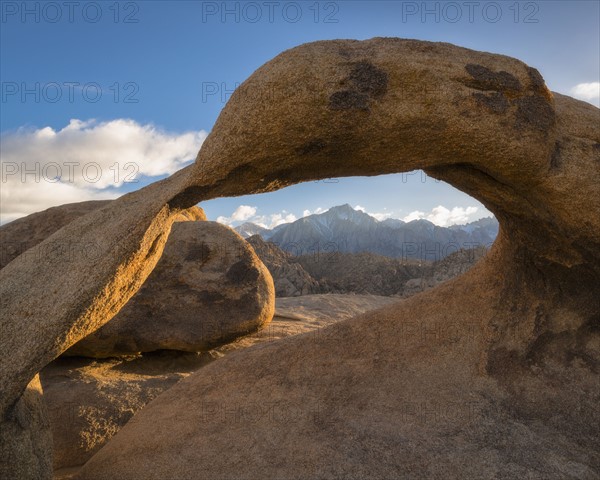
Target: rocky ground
90, 400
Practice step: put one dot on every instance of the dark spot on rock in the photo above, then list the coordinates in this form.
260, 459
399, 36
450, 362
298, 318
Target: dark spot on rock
125, 346
199, 253
534, 112
486, 79
344, 52
555, 158
495, 102
240, 173
242, 272
248, 303
597, 146
364, 82
369, 79
207, 296
502, 361
537, 81
348, 99
312, 147
415, 45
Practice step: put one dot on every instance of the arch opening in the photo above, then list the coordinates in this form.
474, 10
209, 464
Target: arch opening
408, 230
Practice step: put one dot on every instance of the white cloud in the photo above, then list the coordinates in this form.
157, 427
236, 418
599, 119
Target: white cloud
275, 219
444, 217
316, 211
416, 215
246, 213
46, 167
381, 216
243, 212
457, 216
590, 92
240, 214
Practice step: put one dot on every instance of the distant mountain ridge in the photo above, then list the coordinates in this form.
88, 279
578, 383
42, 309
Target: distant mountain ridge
346, 230
357, 273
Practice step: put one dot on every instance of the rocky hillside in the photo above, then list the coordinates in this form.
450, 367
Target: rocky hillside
359, 273
290, 278
365, 273
344, 229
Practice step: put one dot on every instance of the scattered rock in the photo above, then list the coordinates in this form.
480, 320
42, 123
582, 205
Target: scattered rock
305, 314
362, 273
443, 270
358, 273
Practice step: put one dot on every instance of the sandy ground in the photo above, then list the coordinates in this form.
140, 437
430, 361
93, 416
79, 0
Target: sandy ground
295, 315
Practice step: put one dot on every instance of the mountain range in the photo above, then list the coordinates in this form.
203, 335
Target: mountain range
343, 229
357, 273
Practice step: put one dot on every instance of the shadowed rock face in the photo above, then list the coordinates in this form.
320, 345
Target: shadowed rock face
25, 438
484, 123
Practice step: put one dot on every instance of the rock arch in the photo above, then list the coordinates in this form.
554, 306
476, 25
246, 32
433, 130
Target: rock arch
484, 123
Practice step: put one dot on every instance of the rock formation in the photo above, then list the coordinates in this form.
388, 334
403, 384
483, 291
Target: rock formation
443, 270
89, 401
208, 288
290, 278
25, 438
188, 303
20, 235
510, 390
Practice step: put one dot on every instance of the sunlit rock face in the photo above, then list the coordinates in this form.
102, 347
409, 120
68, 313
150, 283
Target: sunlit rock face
509, 390
24, 233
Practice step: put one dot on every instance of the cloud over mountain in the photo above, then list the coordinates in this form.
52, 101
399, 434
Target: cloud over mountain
345, 229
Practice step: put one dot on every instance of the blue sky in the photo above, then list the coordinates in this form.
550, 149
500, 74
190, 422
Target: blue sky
141, 83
